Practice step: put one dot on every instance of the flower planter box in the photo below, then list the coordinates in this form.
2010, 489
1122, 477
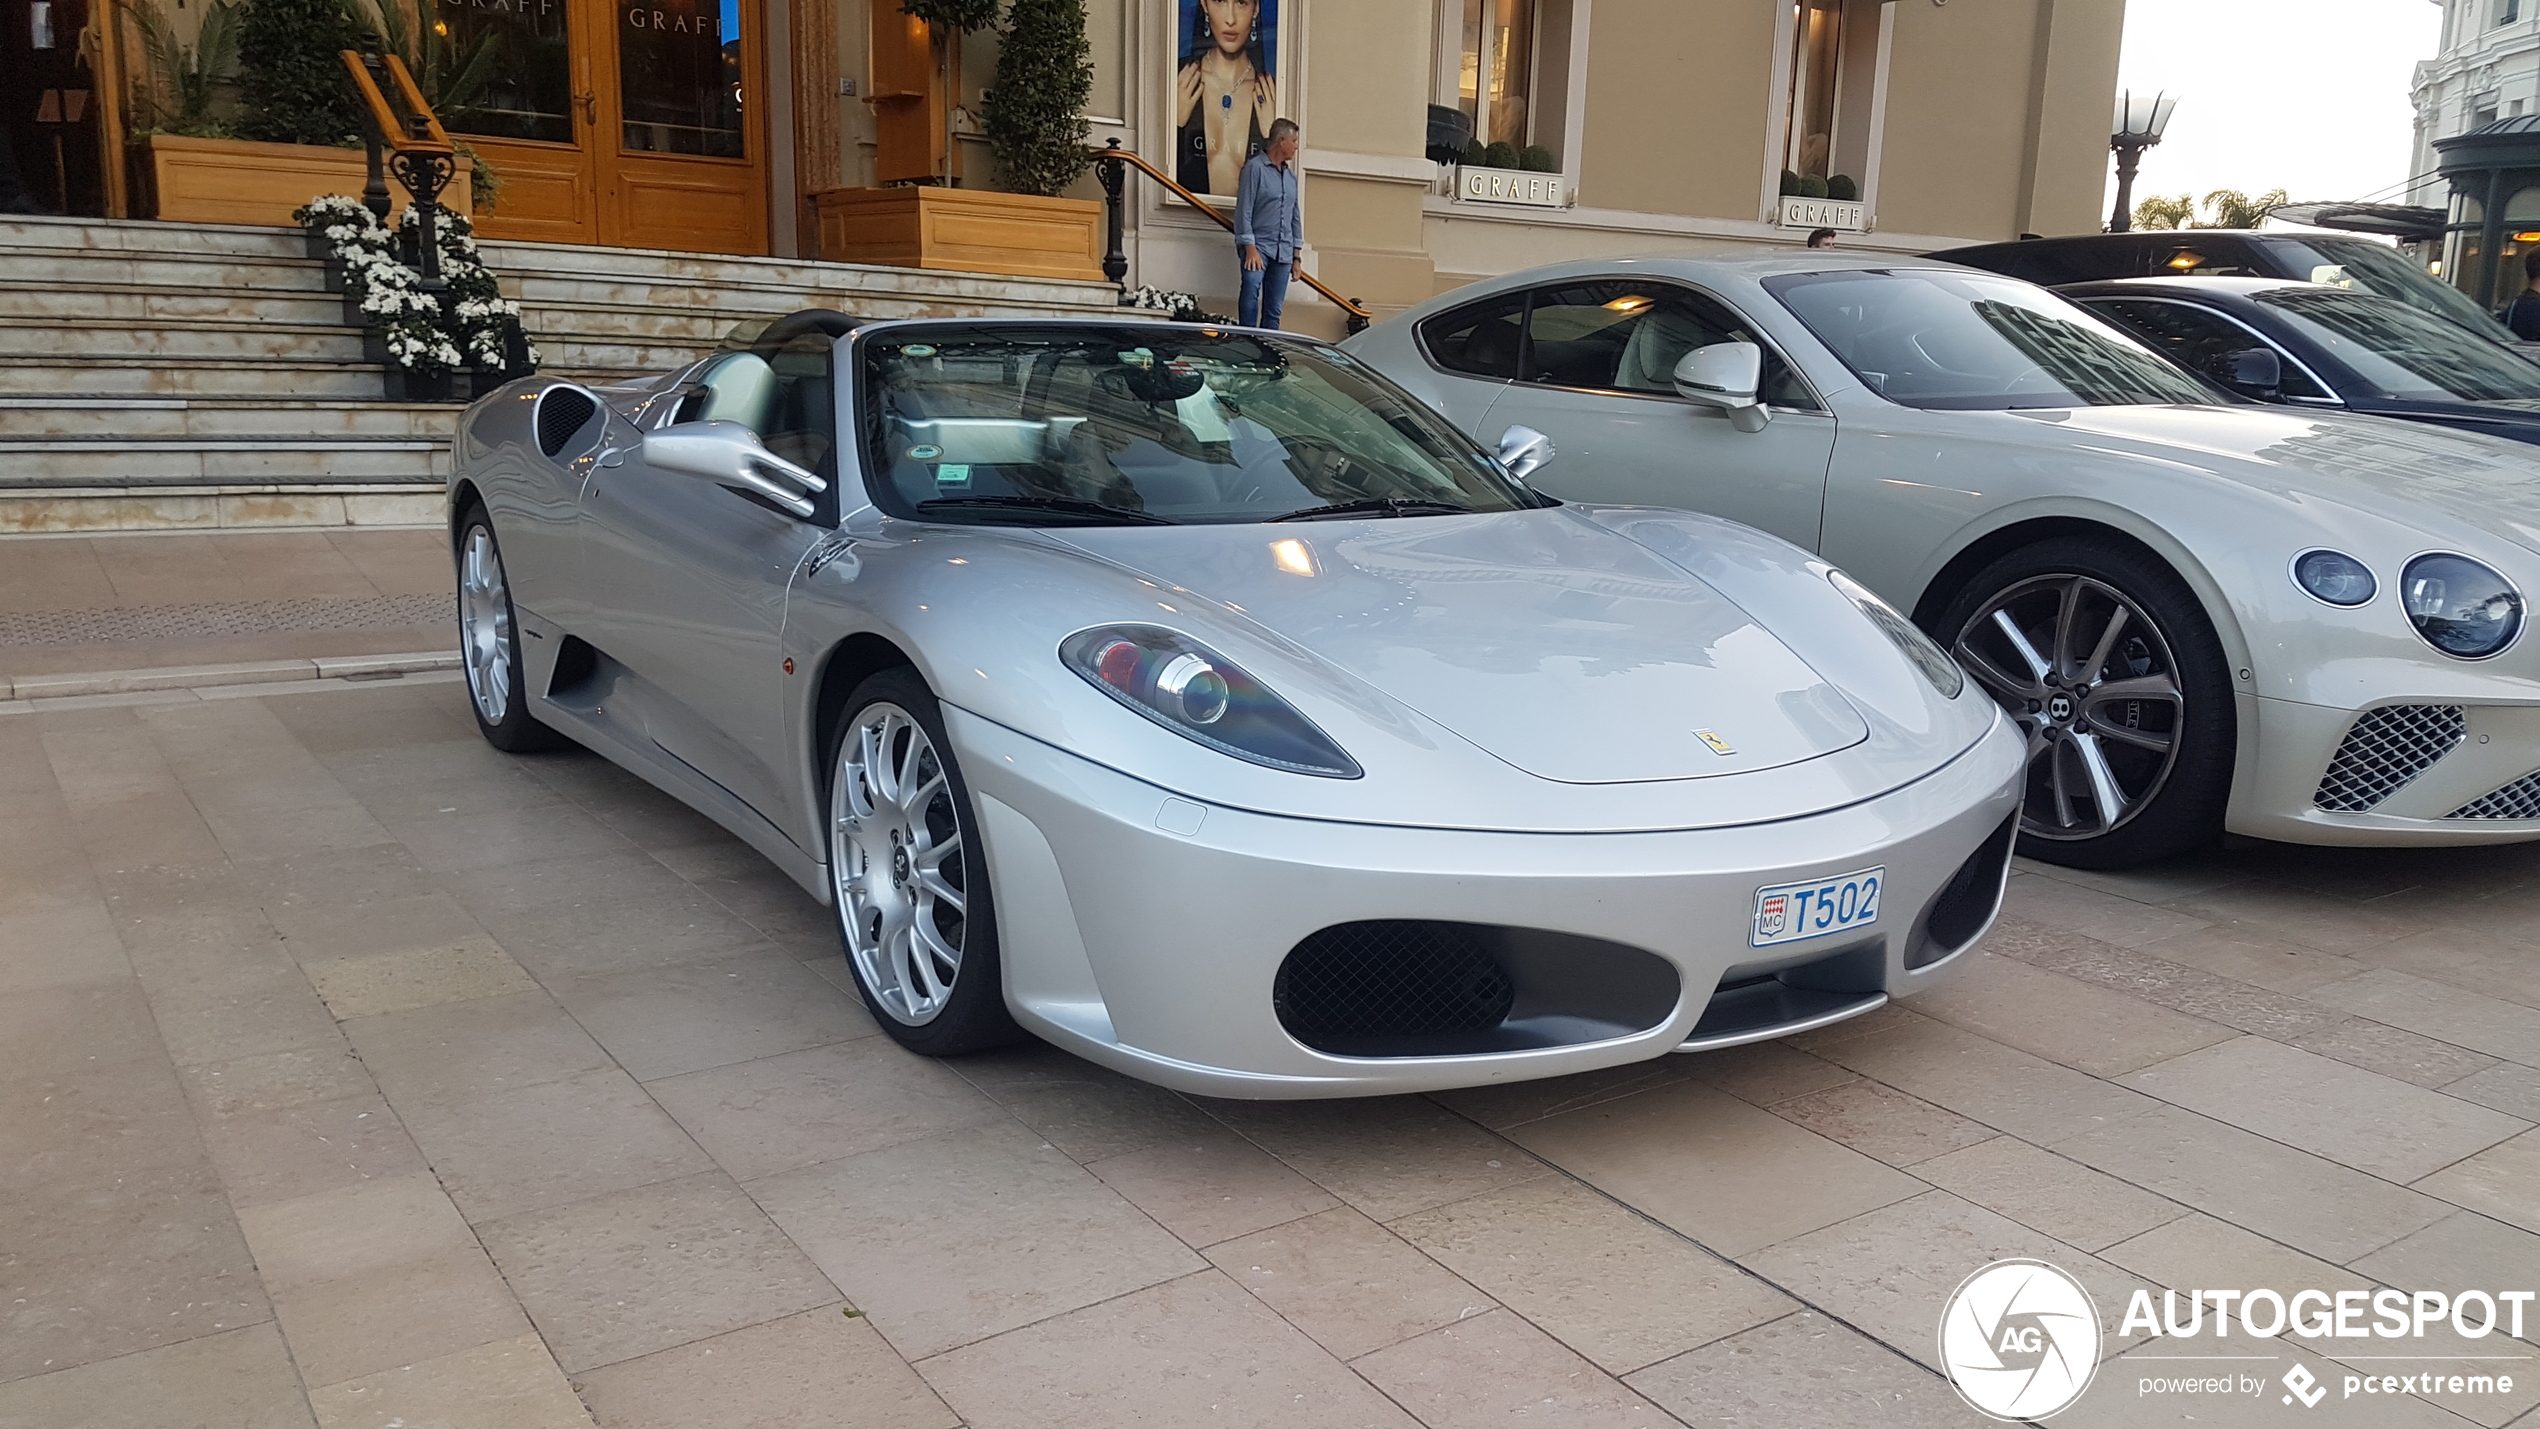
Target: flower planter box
239, 181
963, 230
404, 386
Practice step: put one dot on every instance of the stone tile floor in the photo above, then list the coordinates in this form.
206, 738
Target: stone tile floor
359, 1076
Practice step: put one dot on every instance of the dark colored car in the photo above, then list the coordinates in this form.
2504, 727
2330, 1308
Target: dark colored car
2282, 341
2232, 253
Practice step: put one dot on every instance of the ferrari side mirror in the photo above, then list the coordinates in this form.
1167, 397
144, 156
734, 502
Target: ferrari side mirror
730, 454
1523, 450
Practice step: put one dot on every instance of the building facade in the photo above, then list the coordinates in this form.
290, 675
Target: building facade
2478, 143
2488, 69
1604, 126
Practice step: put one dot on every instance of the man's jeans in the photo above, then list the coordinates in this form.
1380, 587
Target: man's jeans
1265, 294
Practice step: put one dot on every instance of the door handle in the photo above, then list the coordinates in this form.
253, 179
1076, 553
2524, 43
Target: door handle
590, 102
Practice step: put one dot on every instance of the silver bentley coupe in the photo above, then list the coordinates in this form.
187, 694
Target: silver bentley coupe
1197, 700
2206, 614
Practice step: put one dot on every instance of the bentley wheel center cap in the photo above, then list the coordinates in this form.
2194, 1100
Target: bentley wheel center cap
2060, 708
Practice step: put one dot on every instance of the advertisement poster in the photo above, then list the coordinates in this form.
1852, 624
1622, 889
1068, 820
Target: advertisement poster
1225, 88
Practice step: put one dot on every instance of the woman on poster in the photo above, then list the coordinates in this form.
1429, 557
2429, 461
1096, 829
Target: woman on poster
1225, 93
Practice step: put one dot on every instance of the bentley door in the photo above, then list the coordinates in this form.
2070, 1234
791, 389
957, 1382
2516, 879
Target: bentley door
1596, 375
688, 578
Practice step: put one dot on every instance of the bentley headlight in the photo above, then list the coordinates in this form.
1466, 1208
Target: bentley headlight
1203, 696
1934, 662
2461, 607
2333, 577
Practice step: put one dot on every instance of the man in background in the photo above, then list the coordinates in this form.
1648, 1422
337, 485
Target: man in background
1269, 226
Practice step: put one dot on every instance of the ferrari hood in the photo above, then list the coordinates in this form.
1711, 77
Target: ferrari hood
2393, 467
1566, 650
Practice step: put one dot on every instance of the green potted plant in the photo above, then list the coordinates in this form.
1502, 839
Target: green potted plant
1044, 74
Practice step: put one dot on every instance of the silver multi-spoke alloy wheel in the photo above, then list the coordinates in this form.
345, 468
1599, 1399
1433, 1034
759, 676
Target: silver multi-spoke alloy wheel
2091, 679
485, 624
896, 856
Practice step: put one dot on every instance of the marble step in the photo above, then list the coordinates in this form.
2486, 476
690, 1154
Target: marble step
83, 266
128, 235
91, 417
198, 339
122, 462
148, 376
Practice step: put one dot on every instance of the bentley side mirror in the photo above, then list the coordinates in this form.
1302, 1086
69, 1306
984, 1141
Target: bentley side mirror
730, 454
2252, 372
1725, 375
1523, 450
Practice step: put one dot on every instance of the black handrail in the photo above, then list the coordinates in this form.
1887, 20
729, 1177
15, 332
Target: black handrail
1111, 166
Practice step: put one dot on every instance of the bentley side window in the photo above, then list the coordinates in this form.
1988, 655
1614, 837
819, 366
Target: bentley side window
1628, 337
1480, 341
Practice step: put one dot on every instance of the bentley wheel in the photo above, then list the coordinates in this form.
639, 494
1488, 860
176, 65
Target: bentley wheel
489, 645
2108, 663
909, 886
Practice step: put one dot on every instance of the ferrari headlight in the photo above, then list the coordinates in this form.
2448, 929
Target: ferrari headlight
2462, 607
1203, 696
1934, 662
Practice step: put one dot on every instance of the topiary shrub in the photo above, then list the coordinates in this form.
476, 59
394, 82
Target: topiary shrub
1476, 154
1811, 186
291, 80
1538, 159
1790, 183
1035, 115
1502, 155
1842, 188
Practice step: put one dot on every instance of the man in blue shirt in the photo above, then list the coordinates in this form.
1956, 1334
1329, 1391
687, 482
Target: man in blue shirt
1269, 228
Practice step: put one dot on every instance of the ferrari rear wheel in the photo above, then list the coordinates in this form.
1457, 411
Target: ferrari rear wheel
489, 643
910, 889
2109, 664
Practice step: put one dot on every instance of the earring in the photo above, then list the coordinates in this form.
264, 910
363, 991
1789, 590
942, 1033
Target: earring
1256, 32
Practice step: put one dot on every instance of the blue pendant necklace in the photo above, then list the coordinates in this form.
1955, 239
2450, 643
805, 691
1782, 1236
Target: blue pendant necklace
1225, 101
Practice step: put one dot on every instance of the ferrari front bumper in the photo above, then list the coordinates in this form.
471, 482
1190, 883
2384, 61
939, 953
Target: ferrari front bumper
1146, 931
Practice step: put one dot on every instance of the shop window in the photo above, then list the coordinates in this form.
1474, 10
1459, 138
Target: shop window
1831, 111
2508, 11
1506, 65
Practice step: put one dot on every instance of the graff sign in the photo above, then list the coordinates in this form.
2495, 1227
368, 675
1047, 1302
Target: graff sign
1510, 186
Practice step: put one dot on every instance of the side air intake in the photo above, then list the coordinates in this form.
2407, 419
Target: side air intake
562, 412
2385, 750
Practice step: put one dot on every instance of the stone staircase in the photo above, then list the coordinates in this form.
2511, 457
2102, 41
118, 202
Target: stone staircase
157, 375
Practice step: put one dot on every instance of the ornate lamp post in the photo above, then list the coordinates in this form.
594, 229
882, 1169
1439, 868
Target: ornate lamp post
2139, 122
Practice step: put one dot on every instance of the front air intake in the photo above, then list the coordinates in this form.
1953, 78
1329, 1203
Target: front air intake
1400, 987
562, 412
1968, 902
2384, 750
2518, 800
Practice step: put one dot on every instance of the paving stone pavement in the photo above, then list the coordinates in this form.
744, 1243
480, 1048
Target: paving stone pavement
358, 1075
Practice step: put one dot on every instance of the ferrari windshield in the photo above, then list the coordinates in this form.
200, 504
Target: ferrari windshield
1966, 340
2404, 351
1152, 423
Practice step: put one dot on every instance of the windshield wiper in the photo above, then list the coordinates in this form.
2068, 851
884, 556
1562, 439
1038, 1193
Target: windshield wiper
1054, 505
1377, 506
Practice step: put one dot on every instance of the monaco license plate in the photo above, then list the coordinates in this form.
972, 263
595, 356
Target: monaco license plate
1792, 912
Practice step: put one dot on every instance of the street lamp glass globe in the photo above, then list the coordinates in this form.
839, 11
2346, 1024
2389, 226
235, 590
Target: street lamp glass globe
2140, 118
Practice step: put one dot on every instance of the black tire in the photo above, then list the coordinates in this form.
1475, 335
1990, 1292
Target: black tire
874, 880
2089, 721
489, 642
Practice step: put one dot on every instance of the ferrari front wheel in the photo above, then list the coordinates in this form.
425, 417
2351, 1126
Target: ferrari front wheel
910, 889
489, 642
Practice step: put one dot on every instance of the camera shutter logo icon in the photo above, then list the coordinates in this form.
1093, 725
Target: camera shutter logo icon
2020, 1340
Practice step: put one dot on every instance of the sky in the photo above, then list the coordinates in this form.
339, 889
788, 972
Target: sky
2310, 96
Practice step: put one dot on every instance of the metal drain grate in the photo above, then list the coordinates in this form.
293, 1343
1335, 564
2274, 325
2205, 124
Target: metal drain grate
265, 617
2386, 748
2518, 800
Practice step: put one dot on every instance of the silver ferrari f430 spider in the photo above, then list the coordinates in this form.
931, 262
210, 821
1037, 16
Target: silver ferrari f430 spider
1196, 700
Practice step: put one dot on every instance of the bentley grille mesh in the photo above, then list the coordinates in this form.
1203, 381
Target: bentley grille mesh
2385, 749
2518, 800
561, 413
1354, 982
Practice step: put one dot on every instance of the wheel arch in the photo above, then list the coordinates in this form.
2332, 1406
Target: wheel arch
848, 663
1974, 549
463, 495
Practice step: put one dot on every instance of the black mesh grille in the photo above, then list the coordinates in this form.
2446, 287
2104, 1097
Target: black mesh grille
2386, 749
561, 413
2518, 800
1356, 987
1969, 900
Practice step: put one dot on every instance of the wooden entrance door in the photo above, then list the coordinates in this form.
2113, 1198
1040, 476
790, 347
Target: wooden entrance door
633, 123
